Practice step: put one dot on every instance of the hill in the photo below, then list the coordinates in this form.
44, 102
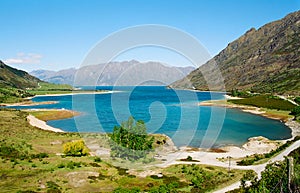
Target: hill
265, 60
16, 85
112, 73
11, 77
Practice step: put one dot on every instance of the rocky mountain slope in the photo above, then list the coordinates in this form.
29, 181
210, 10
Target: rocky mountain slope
262, 60
116, 73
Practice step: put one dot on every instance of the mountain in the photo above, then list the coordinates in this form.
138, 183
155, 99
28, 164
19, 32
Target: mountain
60, 77
116, 73
262, 60
11, 77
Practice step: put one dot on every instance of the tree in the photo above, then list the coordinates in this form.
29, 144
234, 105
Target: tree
296, 112
75, 148
130, 140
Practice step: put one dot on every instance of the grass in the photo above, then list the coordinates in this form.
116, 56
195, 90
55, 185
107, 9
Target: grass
49, 88
220, 176
278, 114
53, 114
52, 172
12, 95
265, 101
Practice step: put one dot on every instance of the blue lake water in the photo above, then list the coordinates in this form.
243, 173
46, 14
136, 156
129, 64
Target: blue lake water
172, 112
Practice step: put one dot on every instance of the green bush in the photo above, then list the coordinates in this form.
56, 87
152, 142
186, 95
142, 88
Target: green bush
296, 111
75, 148
71, 165
97, 159
297, 100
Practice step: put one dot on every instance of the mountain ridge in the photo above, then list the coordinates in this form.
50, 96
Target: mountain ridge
262, 60
115, 73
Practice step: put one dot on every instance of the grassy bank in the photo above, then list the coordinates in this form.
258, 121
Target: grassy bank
265, 101
49, 88
31, 160
48, 115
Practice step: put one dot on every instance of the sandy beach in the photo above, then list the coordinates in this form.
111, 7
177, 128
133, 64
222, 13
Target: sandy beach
42, 124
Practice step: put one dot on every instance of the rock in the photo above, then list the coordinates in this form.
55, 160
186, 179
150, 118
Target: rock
260, 145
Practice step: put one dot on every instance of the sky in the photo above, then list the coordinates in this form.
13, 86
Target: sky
58, 34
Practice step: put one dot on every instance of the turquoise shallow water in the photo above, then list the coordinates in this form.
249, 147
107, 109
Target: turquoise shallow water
172, 112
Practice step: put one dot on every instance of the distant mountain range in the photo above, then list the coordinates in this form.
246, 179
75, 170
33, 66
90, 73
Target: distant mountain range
116, 73
262, 60
11, 77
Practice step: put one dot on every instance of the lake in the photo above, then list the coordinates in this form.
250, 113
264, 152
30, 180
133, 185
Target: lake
175, 113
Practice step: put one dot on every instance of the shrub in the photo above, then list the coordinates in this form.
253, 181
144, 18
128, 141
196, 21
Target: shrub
297, 100
296, 111
97, 159
75, 148
189, 158
71, 165
61, 165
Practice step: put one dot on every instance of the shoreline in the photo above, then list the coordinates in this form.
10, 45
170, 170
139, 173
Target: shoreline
209, 156
77, 93
28, 101
42, 124
244, 108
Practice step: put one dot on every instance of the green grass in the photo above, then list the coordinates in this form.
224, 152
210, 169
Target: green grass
12, 95
49, 88
48, 171
265, 101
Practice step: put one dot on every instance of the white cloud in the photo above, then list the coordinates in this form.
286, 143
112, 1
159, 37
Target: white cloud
23, 58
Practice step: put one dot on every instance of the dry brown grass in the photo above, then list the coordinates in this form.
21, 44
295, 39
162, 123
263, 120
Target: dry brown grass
49, 115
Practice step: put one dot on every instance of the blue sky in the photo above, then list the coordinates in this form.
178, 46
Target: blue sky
57, 34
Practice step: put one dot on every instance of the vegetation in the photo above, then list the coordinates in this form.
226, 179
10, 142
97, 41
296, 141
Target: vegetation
257, 157
189, 159
275, 178
16, 85
31, 161
53, 114
252, 62
265, 101
297, 100
130, 140
50, 88
203, 178
14, 78
296, 112
75, 148
238, 93
13, 95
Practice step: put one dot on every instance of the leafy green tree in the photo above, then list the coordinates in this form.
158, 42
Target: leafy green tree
130, 140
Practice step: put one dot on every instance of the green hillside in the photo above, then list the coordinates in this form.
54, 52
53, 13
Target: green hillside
11, 77
265, 60
16, 85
